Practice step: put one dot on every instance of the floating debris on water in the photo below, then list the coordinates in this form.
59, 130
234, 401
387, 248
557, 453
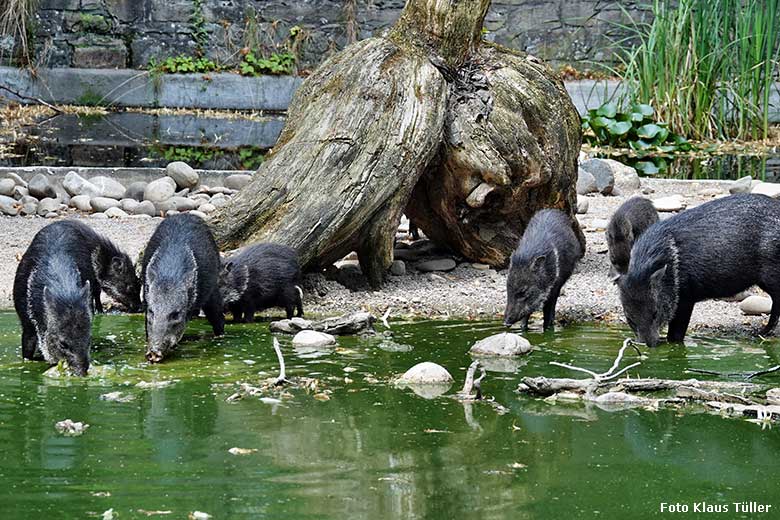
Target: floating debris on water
242, 451
70, 428
117, 397
154, 384
199, 515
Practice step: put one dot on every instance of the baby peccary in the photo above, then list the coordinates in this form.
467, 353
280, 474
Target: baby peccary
259, 277
542, 263
630, 220
180, 272
52, 300
715, 250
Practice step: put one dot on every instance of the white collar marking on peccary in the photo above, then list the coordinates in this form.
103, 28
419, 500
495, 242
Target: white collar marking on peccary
557, 264
675, 272
42, 345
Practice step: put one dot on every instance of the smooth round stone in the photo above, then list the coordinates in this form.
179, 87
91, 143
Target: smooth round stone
426, 373
160, 190
129, 205
48, 205
183, 203
99, 216
770, 189
21, 191
108, 187
81, 203
741, 185
17, 180
7, 187
198, 214
398, 268
670, 203
171, 212
8, 206
582, 205
51, 214
440, 264
207, 208
29, 208
145, 208
504, 344
603, 171
115, 213
219, 200
756, 305
141, 216
40, 188
586, 182
312, 338
101, 204
480, 267
183, 174
237, 181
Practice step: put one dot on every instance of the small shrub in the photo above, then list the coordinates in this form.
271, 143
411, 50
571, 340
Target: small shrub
276, 63
183, 65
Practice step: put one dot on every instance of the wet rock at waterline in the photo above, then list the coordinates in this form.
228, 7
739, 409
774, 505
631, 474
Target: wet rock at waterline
504, 344
291, 326
349, 324
756, 305
182, 174
313, 339
426, 373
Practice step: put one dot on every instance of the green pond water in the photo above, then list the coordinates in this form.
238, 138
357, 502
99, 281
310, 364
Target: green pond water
371, 450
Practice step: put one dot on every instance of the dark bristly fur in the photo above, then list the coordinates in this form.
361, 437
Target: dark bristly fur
627, 224
541, 265
259, 277
715, 250
52, 298
180, 272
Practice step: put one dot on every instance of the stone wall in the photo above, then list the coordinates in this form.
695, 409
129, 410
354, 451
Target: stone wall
129, 33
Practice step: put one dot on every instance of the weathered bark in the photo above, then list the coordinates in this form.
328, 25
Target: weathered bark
432, 99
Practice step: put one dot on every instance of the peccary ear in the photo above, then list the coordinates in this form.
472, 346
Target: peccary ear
116, 264
658, 276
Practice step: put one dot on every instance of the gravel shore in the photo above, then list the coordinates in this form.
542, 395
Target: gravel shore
468, 291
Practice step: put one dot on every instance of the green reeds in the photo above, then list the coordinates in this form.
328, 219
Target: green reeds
708, 67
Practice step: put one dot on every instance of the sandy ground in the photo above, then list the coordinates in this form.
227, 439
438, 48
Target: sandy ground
466, 292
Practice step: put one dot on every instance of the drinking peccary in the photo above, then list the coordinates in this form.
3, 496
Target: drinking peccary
97, 258
631, 219
715, 250
541, 265
180, 272
261, 276
52, 299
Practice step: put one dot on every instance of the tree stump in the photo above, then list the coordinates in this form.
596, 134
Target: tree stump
468, 138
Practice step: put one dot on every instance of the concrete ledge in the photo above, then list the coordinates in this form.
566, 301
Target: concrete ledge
134, 88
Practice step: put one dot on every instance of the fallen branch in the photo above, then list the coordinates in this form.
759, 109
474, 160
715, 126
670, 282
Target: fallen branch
385, 316
28, 98
609, 374
471, 383
282, 379
548, 386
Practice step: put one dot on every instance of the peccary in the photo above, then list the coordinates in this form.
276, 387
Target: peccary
630, 220
541, 265
52, 299
261, 276
715, 250
180, 271
98, 260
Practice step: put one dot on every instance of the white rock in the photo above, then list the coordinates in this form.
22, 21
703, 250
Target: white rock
115, 213
199, 214
8, 206
40, 187
237, 181
108, 187
426, 373
183, 174
756, 305
7, 187
741, 185
101, 204
670, 203
312, 338
48, 205
504, 344
582, 205
145, 208
599, 224
769, 189
207, 208
17, 180
160, 190
129, 205
81, 203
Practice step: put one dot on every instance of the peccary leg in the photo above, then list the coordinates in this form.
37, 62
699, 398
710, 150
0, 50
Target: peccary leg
237, 311
549, 308
96, 298
30, 343
249, 313
299, 303
773, 315
679, 324
213, 309
524, 322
